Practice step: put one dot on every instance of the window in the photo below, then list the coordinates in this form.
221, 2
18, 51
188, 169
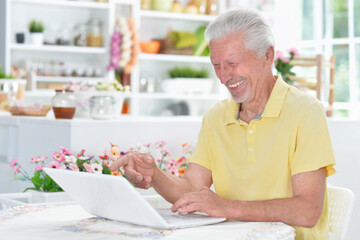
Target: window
332, 27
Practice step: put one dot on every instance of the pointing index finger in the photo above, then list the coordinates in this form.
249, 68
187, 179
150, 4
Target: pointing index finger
119, 163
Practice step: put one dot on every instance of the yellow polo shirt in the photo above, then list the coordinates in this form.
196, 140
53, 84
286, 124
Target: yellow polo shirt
256, 161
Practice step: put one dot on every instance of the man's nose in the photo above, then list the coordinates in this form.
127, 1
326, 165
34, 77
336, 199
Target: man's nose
224, 74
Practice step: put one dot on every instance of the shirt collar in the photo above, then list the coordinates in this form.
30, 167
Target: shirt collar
273, 106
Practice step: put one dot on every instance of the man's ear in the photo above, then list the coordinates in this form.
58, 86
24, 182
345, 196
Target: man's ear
269, 56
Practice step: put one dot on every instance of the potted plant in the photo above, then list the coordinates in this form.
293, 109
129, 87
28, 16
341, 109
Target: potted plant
36, 29
187, 80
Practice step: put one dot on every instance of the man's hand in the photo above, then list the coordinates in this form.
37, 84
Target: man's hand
203, 200
139, 168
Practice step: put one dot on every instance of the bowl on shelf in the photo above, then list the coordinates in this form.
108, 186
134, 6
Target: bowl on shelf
187, 85
150, 46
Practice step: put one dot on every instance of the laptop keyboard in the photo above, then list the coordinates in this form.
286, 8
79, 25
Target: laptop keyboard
180, 219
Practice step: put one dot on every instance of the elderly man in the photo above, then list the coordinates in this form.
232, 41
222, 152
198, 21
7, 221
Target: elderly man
267, 150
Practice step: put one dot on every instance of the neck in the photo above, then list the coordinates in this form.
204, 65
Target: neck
256, 106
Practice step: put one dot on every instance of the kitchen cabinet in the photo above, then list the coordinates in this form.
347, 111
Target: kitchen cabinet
88, 64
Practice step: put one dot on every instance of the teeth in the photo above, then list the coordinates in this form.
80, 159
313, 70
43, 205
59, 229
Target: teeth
236, 84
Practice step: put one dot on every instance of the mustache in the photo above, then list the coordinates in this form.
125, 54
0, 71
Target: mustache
233, 80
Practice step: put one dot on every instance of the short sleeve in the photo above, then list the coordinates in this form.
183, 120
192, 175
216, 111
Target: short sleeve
201, 154
313, 144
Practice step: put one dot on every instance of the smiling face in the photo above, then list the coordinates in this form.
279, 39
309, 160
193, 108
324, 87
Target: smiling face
238, 68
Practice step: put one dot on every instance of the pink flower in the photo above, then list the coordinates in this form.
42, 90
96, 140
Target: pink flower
74, 167
14, 163
17, 170
54, 164
88, 167
158, 159
81, 153
294, 51
38, 159
171, 163
147, 145
165, 153
160, 144
39, 168
174, 171
66, 151
58, 156
279, 54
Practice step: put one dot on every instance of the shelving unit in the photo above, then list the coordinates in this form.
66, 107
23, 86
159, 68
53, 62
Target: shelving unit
176, 16
59, 49
151, 24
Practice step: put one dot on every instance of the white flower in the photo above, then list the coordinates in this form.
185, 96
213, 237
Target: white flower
84, 157
70, 159
97, 168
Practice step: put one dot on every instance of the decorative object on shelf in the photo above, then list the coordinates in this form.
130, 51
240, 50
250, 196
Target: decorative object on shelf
94, 37
151, 47
145, 4
186, 80
80, 38
201, 47
187, 85
187, 72
36, 29
11, 91
64, 104
177, 42
177, 7
20, 37
124, 46
202, 6
161, 5
283, 65
102, 107
36, 110
191, 8
113, 89
63, 36
211, 7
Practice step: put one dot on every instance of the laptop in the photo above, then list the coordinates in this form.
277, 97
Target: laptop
113, 197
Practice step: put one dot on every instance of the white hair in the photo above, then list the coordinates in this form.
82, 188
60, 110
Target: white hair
250, 22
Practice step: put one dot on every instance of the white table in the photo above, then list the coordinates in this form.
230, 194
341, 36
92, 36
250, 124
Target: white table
70, 221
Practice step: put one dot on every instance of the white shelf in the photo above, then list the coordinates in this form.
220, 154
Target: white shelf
66, 3
174, 58
178, 96
176, 16
55, 48
40, 93
123, 2
68, 79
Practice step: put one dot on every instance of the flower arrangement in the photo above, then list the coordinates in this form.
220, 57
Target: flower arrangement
283, 65
65, 159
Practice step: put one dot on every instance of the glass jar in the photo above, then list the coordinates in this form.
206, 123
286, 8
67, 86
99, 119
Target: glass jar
64, 104
80, 38
94, 37
102, 107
